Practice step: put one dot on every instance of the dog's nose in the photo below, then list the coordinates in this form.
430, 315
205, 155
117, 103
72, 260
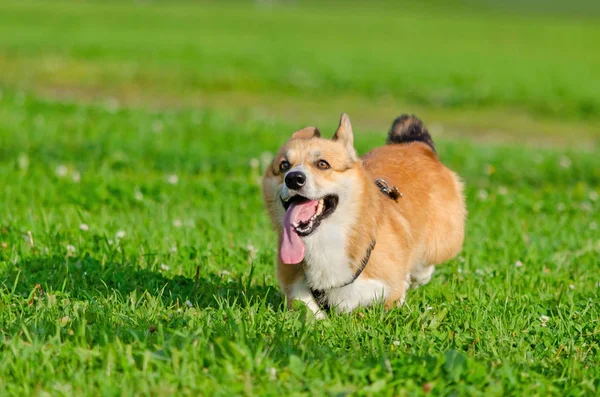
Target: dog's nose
295, 180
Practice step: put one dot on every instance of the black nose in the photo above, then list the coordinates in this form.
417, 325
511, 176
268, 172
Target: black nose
295, 180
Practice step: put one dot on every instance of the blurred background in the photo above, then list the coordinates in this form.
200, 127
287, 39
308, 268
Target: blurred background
490, 70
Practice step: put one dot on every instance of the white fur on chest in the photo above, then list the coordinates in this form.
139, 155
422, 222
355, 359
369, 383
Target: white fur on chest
362, 292
327, 262
328, 266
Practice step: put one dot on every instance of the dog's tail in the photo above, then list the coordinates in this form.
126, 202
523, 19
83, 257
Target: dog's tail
407, 129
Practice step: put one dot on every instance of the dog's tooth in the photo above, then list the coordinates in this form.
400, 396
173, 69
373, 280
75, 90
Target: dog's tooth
319, 207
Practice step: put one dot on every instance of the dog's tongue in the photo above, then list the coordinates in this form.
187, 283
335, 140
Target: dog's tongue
292, 247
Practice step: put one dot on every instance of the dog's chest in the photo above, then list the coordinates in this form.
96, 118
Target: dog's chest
327, 262
328, 266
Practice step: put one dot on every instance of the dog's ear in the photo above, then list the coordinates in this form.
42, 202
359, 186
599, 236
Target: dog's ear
345, 136
306, 133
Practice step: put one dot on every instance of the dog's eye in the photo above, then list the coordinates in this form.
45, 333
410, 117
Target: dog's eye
284, 166
322, 164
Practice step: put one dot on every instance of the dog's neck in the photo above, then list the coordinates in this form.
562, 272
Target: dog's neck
335, 252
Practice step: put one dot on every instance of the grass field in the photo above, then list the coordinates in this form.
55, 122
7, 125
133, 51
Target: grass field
135, 254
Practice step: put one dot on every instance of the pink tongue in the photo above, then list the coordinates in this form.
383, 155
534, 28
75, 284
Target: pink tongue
292, 247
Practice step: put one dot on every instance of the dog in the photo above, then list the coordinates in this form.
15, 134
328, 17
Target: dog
354, 231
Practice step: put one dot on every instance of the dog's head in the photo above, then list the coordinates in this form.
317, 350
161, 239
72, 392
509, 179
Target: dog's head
310, 177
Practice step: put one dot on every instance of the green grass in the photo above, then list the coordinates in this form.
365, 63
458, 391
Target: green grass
125, 315
438, 59
135, 254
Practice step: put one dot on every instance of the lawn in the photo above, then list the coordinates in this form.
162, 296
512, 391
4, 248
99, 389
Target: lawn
135, 254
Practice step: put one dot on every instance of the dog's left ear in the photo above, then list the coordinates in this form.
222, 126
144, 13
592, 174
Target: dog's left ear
307, 133
345, 136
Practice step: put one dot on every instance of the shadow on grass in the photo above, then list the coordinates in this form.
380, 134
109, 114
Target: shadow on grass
85, 277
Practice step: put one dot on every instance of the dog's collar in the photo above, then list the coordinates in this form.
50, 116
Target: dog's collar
319, 294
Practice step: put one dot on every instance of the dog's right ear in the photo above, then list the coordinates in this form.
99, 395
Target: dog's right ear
306, 133
345, 136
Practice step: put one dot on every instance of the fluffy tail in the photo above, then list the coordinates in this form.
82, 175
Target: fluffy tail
407, 129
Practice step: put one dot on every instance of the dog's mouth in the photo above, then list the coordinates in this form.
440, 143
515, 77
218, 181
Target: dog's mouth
305, 215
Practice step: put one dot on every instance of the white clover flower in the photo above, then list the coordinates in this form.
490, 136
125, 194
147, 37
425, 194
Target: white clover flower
565, 162
120, 234
61, 171
252, 250
518, 264
482, 194
173, 179
177, 223
138, 195
23, 161
84, 227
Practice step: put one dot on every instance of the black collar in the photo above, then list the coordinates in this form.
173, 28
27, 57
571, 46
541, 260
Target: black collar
319, 294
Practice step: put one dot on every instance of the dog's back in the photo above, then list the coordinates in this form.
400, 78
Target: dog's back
432, 201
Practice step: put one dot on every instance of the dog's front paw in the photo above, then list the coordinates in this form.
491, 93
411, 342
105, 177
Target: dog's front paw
301, 306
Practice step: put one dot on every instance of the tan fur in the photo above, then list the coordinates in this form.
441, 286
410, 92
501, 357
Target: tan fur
425, 227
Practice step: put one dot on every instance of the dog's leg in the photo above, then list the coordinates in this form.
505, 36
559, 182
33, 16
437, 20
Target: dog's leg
398, 295
299, 291
421, 275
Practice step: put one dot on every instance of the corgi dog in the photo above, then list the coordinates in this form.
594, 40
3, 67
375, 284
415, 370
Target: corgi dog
358, 231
